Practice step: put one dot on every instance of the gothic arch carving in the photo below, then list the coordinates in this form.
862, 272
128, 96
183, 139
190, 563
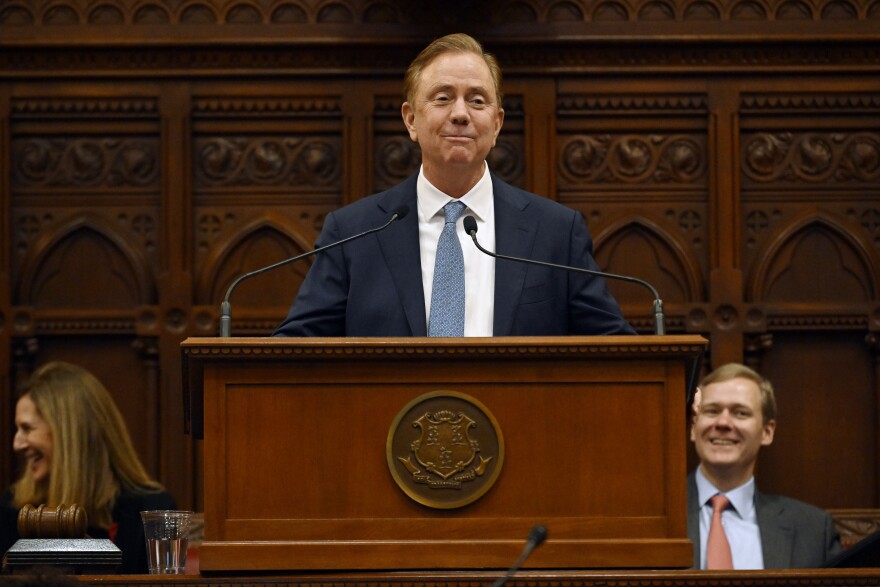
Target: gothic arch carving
702, 10
382, 12
789, 269
197, 12
794, 10
18, 14
104, 13
150, 12
61, 13
840, 10
228, 258
657, 10
748, 10
87, 243
677, 276
335, 11
517, 11
288, 12
564, 11
243, 13
611, 10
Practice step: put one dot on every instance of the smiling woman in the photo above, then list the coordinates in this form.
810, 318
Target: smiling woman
33, 438
77, 449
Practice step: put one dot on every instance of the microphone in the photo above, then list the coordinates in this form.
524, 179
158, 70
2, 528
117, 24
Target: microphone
226, 308
537, 535
470, 227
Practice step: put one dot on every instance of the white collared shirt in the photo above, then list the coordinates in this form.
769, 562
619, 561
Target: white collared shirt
479, 268
740, 522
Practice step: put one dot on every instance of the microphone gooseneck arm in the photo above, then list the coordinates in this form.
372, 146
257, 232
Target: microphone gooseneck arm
470, 227
536, 537
226, 307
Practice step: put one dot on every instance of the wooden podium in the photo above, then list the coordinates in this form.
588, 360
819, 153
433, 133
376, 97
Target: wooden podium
297, 472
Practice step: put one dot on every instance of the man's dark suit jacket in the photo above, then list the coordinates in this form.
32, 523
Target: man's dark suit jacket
794, 534
373, 286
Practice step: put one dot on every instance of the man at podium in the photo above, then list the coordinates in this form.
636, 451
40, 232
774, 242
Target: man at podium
422, 274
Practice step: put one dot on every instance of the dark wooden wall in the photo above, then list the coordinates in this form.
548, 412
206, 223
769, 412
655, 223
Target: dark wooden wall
726, 150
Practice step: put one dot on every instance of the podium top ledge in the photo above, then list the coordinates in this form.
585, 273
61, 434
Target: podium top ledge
268, 347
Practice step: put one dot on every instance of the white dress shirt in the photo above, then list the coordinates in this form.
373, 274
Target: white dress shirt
479, 268
740, 522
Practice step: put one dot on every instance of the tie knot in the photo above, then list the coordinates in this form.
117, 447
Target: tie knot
453, 210
719, 502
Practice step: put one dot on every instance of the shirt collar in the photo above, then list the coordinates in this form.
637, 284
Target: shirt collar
742, 498
478, 200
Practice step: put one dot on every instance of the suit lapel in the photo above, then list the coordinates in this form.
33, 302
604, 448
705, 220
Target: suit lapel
777, 534
514, 236
400, 248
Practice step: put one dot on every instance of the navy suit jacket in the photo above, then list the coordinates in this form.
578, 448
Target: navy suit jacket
372, 286
794, 534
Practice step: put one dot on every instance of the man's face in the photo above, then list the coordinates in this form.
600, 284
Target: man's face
454, 117
729, 429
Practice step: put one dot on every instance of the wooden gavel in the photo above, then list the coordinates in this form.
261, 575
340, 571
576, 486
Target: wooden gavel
52, 522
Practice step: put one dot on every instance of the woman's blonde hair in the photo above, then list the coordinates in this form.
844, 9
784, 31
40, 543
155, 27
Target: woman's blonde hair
93, 458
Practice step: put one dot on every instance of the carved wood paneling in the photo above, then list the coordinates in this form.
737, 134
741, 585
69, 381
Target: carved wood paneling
637, 166
854, 525
285, 151
820, 153
815, 260
84, 187
728, 152
809, 368
820, 158
75, 195
809, 170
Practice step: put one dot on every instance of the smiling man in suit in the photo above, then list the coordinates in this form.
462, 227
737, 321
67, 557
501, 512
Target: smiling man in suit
422, 276
734, 416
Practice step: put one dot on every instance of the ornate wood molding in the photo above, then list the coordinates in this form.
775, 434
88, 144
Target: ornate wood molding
854, 525
811, 157
579, 105
483, 348
586, 54
211, 13
787, 320
77, 108
806, 103
267, 107
668, 159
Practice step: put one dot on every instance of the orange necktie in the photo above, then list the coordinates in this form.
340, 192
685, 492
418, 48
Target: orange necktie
717, 547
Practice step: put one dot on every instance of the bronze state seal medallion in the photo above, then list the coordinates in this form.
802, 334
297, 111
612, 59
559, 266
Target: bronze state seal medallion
445, 449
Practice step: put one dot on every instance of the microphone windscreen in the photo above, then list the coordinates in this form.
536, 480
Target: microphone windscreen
401, 211
470, 225
537, 535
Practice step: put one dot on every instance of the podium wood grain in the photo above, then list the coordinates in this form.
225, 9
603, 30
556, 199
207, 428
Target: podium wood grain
294, 451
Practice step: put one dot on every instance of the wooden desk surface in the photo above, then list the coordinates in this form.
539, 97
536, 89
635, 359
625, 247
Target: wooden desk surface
647, 578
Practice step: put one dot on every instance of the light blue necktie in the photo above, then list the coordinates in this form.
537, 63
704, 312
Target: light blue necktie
447, 293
